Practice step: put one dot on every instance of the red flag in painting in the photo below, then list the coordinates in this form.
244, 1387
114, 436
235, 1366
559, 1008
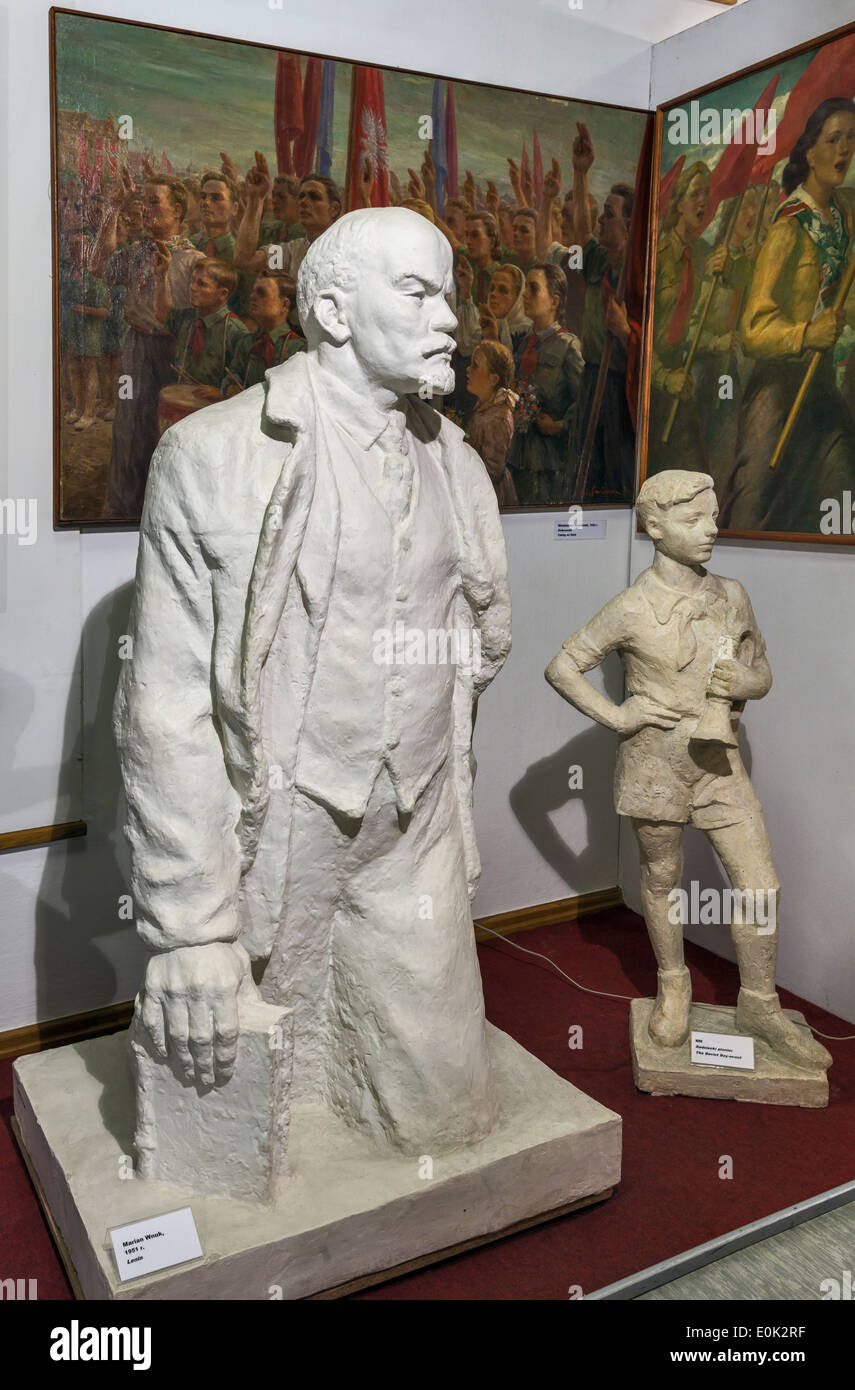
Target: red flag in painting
368, 136
304, 145
732, 174
830, 74
666, 184
287, 110
525, 171
537, 167
636, 270
165, 162
451, 189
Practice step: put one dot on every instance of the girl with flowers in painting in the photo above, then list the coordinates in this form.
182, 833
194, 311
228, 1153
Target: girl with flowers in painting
549, 366
491, 427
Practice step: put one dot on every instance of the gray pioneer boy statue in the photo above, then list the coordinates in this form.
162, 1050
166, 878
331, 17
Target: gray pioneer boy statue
692, 654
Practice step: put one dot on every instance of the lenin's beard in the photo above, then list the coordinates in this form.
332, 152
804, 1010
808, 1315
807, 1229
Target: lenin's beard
438, 379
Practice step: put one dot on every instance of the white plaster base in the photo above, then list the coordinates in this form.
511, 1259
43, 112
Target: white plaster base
669, 1071
231, 1139
347, 1209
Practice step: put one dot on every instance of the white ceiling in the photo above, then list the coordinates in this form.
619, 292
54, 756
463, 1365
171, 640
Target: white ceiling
650, 20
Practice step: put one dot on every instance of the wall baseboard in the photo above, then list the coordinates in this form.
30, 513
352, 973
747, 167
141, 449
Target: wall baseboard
549, 914
41, 835
57, 1032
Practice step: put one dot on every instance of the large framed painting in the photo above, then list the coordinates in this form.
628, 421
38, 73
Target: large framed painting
191, 173
750, 338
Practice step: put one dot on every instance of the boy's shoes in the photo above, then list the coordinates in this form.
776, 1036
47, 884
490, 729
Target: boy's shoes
761, 1016
669, 1021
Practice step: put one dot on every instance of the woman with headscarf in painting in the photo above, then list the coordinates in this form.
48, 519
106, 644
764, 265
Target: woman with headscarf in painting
504, 318
789, 315
501, 319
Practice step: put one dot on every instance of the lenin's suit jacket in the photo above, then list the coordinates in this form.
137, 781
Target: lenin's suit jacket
232, 495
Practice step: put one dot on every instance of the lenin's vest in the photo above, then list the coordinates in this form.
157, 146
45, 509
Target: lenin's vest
361, 711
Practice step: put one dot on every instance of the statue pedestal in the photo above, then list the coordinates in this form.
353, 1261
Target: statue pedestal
231, 1140
669, 1071
347, 1214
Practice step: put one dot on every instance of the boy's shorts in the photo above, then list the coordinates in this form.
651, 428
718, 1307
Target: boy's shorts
661, 776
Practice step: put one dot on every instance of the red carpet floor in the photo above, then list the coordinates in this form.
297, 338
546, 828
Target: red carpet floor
671, 1196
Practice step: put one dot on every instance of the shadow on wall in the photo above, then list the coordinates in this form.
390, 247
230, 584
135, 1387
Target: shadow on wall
545, 789
86, 954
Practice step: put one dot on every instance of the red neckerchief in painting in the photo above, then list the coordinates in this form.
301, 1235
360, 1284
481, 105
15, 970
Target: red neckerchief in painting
531, 352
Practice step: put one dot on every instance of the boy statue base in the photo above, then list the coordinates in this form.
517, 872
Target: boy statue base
670, 1071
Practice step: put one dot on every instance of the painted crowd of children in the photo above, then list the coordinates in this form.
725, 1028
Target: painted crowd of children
192, 283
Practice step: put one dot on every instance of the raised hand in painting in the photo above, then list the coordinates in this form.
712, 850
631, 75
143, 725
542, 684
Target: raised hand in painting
516, 180
123, 189
464, 277
552, 182
162, 259
428, 177
415, 188
258, 180
229, 167
583, 149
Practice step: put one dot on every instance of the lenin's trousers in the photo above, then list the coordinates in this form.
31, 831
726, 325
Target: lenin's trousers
376, 956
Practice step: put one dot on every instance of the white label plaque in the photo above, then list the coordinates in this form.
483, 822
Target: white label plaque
157, 1243
722, 1050
580, 531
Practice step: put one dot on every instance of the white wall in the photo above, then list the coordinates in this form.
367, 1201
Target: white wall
733, 40
539, 840
62, 945
800, 740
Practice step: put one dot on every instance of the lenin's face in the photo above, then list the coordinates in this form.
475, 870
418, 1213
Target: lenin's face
398, 316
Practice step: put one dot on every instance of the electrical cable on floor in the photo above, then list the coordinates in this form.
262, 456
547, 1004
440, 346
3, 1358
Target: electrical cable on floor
605, 994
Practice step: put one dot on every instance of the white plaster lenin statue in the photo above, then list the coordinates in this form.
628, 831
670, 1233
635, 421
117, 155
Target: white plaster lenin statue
292, 799
677, 761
